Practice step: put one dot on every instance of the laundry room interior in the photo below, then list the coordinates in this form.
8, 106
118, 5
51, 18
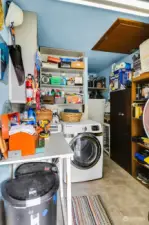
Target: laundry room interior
74, 112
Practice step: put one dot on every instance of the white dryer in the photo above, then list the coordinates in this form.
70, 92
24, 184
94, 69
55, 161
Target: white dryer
86, 141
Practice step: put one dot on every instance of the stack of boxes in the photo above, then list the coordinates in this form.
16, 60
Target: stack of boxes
121, 76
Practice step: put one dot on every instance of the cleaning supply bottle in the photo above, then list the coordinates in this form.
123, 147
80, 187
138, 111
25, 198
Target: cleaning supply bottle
32, 116
64, 81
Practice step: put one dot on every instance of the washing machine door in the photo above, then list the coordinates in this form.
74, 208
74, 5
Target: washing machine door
87, 150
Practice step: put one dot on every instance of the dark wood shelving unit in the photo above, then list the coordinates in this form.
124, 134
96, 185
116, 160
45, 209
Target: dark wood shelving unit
144, 77
137, 125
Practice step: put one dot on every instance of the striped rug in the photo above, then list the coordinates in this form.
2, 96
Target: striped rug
89, 210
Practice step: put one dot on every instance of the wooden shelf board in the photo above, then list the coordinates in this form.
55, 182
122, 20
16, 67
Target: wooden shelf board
61, 70
143, 146
140, 101
144, 165
137, 119
142, 78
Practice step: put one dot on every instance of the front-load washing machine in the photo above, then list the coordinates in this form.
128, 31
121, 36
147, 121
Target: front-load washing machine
86, 141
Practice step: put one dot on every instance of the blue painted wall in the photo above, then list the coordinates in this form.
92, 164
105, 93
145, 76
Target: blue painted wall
5, 171
76, 27
3, 87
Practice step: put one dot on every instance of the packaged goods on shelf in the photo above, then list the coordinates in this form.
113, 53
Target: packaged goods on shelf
59, 100
143, 156
66, 65
45, 78
137, 111
71, 81
122, 65
78, 80
142, 91
144, 56
53, 59
77, 65
136, 65
55, 80
142, 174
120, 79
47, 65
48, 99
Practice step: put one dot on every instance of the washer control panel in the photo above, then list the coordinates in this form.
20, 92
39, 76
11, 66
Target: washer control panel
95, 128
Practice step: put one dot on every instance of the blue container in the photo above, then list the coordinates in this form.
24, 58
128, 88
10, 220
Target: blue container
123, 77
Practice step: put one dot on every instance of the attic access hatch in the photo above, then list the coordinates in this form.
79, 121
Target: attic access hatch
124, 36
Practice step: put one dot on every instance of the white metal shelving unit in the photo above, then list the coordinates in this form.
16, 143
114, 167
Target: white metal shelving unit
69, 72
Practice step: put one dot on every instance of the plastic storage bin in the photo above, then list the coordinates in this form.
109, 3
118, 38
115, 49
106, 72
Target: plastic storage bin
56, 80
31, 198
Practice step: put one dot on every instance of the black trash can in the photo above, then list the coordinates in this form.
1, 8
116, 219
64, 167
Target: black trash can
31, 198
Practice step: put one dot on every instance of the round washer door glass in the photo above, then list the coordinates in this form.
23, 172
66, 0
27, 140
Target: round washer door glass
87, 151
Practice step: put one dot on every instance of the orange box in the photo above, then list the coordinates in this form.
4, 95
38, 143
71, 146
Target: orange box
24, 142
77, 65
5, 120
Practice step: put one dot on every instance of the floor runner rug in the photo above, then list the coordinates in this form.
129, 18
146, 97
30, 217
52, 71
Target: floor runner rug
89, 210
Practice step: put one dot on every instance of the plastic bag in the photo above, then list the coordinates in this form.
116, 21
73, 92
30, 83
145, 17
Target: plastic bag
16, 57
4, 59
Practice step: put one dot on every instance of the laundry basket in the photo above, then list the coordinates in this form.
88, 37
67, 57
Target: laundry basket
31, 198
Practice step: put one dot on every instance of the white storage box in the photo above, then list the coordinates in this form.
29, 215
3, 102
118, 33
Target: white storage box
144, 56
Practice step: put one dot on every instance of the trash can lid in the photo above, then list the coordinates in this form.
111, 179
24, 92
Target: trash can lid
28, 187
34, 167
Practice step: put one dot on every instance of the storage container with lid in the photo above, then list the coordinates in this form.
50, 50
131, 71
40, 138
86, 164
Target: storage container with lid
31, 198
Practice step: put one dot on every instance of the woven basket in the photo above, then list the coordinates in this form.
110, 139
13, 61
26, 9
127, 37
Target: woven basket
44, 114
70, 117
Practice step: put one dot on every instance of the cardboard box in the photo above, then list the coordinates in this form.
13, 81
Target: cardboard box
144, 56
24, 142
77, 65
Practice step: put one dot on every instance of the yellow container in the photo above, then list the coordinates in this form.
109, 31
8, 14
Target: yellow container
137, 112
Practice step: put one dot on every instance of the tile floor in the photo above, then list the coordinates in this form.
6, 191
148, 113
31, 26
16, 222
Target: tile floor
126, 200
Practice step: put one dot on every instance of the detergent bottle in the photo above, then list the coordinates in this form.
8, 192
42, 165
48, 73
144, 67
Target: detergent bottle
32, 116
